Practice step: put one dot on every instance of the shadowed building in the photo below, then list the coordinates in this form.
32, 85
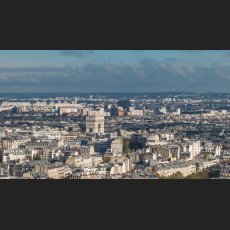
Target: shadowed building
125, 104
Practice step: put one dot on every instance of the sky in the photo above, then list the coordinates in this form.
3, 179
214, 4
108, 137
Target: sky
92, 71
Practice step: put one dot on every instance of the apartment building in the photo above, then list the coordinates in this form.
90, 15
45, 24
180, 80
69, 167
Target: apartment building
171, 169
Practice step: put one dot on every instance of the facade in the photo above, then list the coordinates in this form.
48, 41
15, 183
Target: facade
95, 122
210, 163
163, 110
102, 145
128, 163
79, 161
225, 172
13, 155
68, 110
54, 171
123, 167
13, 143
135, 112
169, 170
117, 169
194, 149
117, 146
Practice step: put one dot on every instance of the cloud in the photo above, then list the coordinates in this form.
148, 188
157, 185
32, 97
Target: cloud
76, 53
31, 69
148, 76
227, 54
224, 53
81, 53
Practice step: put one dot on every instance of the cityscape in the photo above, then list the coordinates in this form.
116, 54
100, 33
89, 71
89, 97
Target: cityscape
112, 134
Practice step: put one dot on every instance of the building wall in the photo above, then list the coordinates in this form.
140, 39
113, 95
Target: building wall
194, 149
117, 146
56, 173
95, 124
169, 171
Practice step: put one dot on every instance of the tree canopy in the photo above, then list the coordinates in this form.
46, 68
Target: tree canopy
200, 175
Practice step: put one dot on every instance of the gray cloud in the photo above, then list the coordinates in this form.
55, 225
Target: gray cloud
76, 53
31, 69
171, 59
81, 53
147, 76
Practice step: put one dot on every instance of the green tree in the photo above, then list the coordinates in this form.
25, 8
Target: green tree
106, 159
126, 146
37, 157
177, 175
199, 175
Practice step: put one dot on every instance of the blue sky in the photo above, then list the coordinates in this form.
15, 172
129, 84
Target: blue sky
116, 71
34, 58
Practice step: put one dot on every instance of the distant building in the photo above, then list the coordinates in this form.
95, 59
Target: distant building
163, 110
125, 104
136, 112
194, 149
171, 169
102, 145
63, 110
95, 122
13, 155
138, 141
54, 171
117, 146
225, 172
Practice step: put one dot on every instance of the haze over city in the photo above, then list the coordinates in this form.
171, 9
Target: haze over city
114, 71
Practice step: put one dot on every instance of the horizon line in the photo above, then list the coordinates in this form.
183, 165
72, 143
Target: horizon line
72, 92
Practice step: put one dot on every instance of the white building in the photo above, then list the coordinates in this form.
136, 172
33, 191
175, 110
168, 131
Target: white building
171, 169
217, 150
121, 167
208, 164
194, 148
117, 146
80, 161
13, 155
163, 110
118, 169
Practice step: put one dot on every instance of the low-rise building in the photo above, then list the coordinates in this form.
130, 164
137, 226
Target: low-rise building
166, 170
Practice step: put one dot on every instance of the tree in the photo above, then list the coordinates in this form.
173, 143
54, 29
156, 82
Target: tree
177, 175
37, 157
199, 175
136, 145
126, 146
106, 159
